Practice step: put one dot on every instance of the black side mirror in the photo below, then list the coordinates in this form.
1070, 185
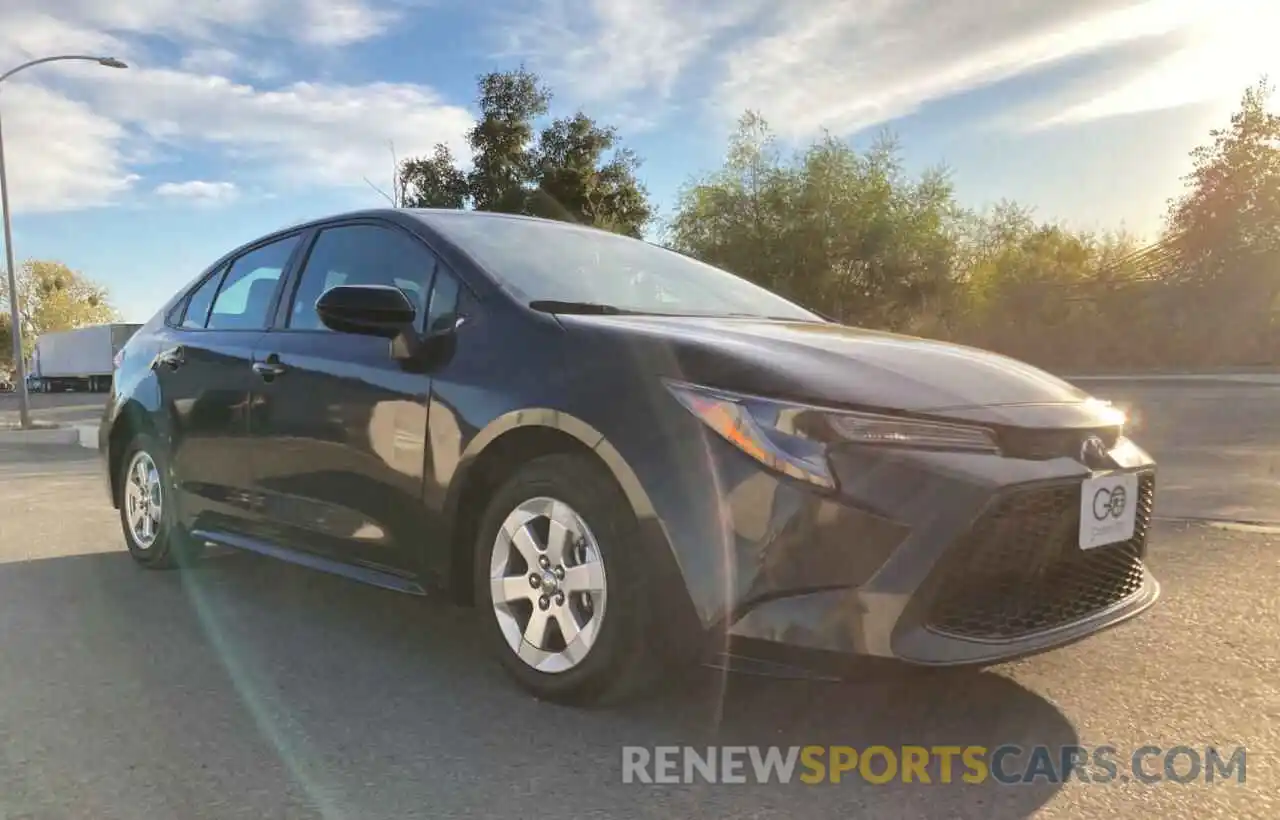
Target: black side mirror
367, 310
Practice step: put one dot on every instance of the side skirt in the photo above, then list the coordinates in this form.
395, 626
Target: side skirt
365, 575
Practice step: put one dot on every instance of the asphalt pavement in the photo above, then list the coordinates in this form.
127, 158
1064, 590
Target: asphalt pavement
251, 689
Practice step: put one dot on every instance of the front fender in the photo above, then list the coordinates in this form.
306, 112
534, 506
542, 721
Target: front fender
680, 624
562, 422
134, 405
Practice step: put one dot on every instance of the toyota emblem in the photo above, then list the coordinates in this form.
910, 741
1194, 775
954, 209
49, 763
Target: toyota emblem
1093, 452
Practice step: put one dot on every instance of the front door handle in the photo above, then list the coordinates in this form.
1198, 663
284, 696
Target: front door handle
173, 358
269, 369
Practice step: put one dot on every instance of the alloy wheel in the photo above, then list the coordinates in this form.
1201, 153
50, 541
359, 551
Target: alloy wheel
548, 585
144, 500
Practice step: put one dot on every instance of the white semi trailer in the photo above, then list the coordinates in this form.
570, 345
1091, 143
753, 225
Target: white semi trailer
79, 359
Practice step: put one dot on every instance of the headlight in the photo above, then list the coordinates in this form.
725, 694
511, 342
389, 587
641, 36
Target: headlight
794, 438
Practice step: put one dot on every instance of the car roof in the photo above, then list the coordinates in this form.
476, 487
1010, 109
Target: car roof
428, 215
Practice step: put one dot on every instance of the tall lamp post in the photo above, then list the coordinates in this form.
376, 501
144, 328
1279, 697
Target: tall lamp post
15, 321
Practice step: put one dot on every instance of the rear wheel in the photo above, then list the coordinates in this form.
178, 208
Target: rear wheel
559, 569
146, 509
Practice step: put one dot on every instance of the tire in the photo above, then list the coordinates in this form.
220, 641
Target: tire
621, 657
168, 548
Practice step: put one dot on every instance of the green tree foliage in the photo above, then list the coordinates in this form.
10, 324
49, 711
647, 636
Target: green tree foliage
1223, 289
572, 169
850, 234
502, 155
434, 181
6, 341
52, 296
575, 183
1232, 202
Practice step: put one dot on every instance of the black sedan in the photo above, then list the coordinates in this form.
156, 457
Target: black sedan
626, 459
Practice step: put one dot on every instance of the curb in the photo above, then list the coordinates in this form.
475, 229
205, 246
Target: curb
87, 436
75, 435
41, 435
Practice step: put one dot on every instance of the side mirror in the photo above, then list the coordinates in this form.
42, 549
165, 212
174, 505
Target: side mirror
367, 310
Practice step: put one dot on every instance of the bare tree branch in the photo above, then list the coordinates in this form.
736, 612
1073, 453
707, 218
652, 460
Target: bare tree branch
381, 192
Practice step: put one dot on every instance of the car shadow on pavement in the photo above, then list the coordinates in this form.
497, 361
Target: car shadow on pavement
247, 686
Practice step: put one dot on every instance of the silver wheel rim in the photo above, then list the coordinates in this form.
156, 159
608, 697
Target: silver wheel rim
143, 499
548, 585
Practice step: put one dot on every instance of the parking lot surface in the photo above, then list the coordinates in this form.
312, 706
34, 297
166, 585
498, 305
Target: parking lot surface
63, 408
251, 689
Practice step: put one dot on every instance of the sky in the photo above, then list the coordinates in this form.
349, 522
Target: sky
238, 117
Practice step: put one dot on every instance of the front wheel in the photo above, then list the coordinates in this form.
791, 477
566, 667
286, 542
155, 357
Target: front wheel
560, 570
147, 513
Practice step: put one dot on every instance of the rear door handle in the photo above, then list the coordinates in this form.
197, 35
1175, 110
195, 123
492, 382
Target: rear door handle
173, 358
269, 369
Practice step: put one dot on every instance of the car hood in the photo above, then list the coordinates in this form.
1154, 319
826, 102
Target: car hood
830, 363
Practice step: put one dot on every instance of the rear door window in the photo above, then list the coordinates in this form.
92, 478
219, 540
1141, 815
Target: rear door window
244, 301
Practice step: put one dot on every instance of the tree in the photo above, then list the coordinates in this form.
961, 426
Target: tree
847, 233
6, 339
434, 182
572, 170
1224, 293
52, 296
852, 235
575, 182
502, 157
1233, 199
741, 217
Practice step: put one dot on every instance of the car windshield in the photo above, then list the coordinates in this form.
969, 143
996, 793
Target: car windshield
542, 261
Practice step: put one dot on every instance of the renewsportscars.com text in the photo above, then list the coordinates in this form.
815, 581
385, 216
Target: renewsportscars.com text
1007, 765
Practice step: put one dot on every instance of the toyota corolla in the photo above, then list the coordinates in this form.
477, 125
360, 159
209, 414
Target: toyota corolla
622, 457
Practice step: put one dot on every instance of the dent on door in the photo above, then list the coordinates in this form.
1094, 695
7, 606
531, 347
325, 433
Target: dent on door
339, 450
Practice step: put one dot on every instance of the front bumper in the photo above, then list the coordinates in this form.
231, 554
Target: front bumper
986, 566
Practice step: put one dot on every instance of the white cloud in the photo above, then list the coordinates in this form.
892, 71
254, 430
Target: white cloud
337, 22
84, 143
29, 32
849, 66
199, 190
59, 153
840, 65
226, 63
323, 22
1227, 47
301, 133
601, 50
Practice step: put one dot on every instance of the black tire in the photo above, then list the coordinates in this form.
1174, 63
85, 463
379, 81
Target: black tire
624, 658
171, 548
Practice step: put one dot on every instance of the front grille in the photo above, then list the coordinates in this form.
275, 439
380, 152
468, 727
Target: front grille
1020, 442
1020, 570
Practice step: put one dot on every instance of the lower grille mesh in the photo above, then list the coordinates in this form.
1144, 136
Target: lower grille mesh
1020, 570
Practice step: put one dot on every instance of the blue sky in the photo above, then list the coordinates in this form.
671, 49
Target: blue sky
240, 116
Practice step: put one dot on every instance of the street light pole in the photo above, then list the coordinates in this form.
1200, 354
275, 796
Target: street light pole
15, 315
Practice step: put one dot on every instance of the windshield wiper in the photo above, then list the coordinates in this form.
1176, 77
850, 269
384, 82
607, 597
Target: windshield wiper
600, 309
767, 317
586, 308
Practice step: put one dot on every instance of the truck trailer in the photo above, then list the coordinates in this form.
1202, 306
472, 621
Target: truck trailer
79, 359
